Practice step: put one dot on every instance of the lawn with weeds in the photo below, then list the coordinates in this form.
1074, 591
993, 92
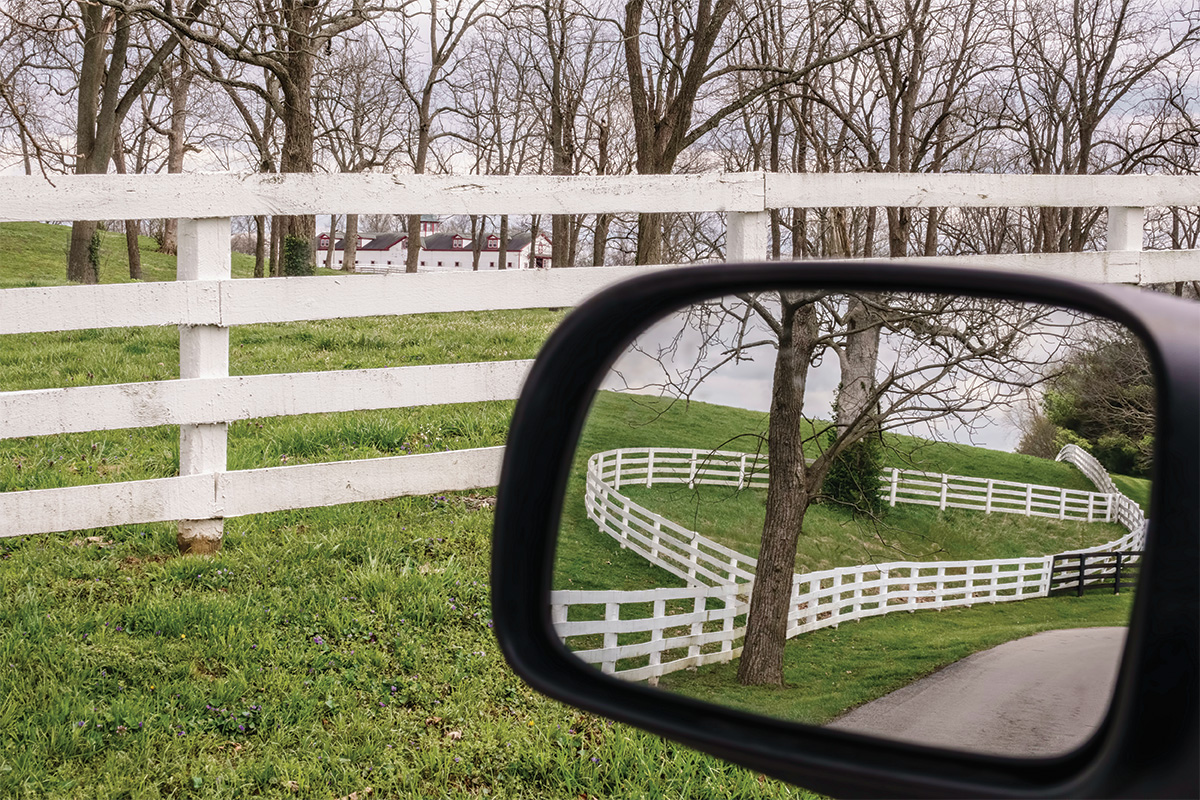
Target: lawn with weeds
321, 652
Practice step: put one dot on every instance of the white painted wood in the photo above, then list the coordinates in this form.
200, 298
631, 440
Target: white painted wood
747, 235
1147, 266
138, 405
245, 302
100, 505
242, 492
818, 190
1125, 227
73, 308
223, 195
313, 298
204, 254
331, 483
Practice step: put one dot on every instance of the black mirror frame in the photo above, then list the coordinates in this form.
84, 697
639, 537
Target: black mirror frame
1149, 743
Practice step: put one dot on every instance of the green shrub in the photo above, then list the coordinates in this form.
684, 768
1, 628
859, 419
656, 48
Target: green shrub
853, 479
297, 256
1066, 436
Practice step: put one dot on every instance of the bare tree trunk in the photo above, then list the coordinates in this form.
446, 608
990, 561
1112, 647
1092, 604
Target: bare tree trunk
297, 153
276, 241
476, 240
649, 246
350, 248
179, 86
931, 233
131, 225
859, 358
788, 497
260, 245
534, 232
414, 242
329, 253
503, 254
600, 239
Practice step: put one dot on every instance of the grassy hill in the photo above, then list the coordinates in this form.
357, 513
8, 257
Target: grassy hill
832, 536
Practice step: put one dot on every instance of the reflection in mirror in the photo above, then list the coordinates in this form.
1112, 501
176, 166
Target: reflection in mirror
807, 505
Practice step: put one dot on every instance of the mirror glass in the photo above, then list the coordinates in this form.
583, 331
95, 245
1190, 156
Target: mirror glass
917, 516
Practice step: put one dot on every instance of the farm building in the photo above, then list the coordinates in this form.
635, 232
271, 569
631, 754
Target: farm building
440, 252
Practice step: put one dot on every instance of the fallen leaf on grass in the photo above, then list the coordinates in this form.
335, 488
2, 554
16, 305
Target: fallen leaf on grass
359, 794
454, 736
292, 786
432, 720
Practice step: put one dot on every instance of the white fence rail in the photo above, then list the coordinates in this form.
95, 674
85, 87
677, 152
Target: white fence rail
989, 495
644, 634
204, 302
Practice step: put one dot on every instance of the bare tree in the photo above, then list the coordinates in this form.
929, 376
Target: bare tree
355, 109
422, 81
105, 95
294, 34
1074, 67
949, 360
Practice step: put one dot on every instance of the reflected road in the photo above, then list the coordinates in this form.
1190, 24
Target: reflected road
1037, 696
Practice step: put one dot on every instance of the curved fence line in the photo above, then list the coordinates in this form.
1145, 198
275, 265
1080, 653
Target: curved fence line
668, 629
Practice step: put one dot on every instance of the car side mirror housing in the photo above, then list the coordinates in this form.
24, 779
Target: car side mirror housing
948, 343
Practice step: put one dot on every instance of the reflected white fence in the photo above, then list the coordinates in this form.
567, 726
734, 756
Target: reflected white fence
643, 634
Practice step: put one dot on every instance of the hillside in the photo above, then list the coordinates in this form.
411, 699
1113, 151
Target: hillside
832, 536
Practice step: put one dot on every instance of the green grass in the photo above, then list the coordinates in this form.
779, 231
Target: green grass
35, 254
322, 651
327, 650
828, 672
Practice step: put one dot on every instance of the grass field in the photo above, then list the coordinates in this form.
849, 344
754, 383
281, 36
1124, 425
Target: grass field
323, 651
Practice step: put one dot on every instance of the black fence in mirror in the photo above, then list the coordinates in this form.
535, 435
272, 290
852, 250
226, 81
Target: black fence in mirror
759, 470
1073, 573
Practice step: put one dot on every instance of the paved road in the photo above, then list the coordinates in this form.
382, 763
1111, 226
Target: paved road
1040, 695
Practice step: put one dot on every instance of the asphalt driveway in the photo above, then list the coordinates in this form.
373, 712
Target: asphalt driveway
1037, 696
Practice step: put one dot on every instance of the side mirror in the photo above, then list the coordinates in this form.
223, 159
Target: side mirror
735, 500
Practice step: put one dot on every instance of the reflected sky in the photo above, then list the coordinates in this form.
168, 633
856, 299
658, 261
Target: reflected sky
673, 353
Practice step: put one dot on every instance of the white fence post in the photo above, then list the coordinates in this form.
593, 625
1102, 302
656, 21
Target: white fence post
746, 235
1125, 228
612, 613
649, 468
204, 254
945, 486
895, 485
698, 607
988, 509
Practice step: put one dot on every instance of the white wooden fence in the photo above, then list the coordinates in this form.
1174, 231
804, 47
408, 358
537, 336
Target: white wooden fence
995, 496
644, 634
1125, 512
205, 302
